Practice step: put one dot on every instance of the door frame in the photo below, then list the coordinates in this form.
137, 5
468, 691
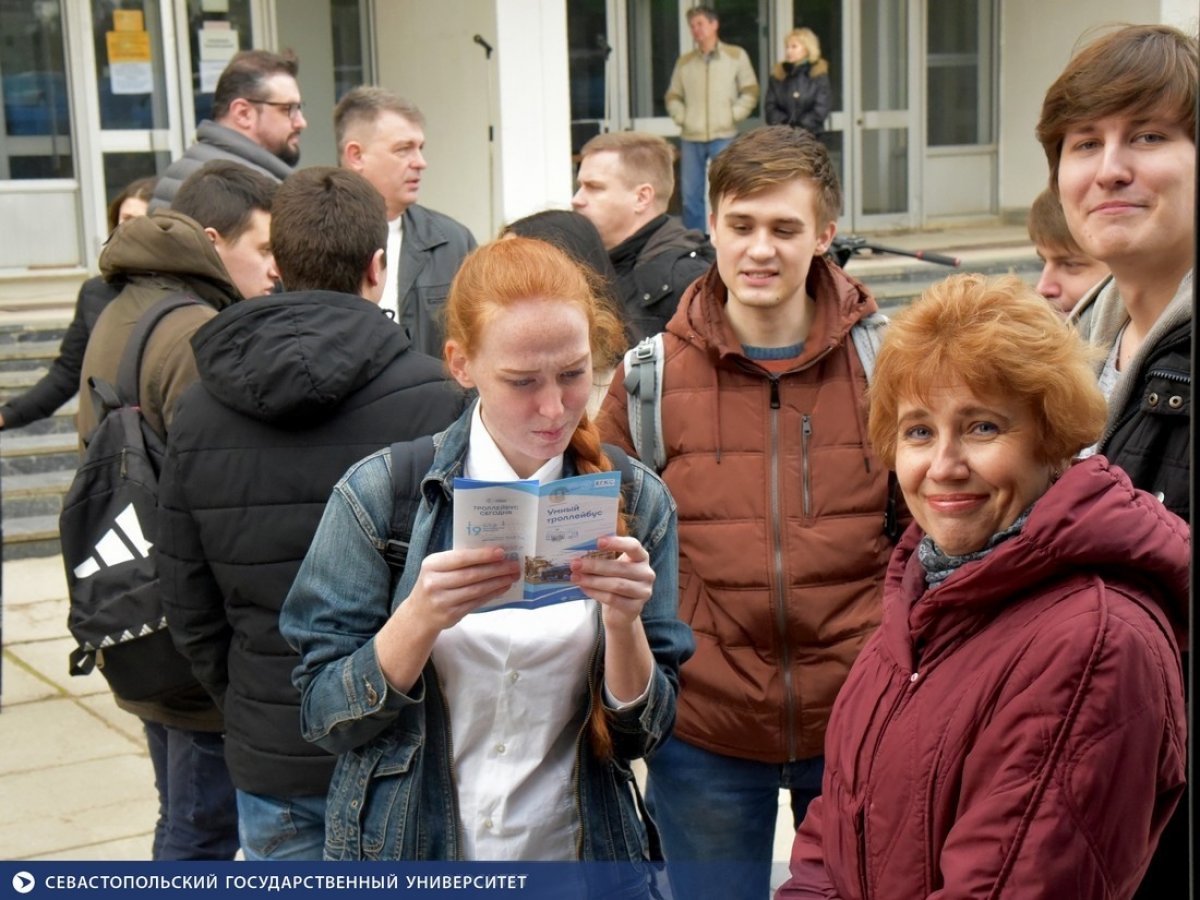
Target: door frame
854, 121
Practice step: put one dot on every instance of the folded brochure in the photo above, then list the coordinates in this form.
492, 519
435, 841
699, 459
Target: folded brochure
544, 526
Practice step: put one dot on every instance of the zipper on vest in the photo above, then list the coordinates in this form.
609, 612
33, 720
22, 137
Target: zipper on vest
805, 435
860, 832
1170, 375
785, 655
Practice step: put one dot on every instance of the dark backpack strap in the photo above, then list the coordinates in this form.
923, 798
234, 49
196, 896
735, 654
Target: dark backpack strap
135, 348
411, 460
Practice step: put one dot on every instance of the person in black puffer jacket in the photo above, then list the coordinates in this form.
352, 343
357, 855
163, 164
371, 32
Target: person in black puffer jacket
798, 92
294, 388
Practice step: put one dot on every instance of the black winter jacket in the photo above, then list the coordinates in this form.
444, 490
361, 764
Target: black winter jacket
294, 388
802, 98
654, 266
1150, 438
61, 381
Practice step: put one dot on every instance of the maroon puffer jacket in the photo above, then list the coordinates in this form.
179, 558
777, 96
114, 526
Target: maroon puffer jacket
1019, 730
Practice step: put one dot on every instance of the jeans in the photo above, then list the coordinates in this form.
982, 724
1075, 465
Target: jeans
197, 812
716, 815
281, 828
694, 157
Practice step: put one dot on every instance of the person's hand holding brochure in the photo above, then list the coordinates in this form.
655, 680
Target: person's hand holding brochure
543, 526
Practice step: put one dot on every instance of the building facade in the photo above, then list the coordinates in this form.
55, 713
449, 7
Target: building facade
935, 101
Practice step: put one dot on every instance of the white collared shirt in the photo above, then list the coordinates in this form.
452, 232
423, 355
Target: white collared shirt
515, 681
391, 284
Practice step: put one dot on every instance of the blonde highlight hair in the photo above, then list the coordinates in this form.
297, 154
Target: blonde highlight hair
996, 337
812, 44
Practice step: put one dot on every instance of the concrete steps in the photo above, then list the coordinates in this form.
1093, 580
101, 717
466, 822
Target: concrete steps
38, 461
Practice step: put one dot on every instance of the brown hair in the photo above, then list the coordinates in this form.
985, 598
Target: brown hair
243, 78
222, 194
996, 336
363, 105
770, 156
1048, 226
513, 269
141, 189
645, 158
326, 224
1136, 69
707, 11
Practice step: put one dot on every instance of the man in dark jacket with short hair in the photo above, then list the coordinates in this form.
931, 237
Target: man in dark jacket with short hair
294, 388
625, 183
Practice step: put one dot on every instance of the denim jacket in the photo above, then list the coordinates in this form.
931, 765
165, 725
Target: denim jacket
393, 794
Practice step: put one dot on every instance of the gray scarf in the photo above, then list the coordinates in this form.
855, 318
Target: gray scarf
939, 565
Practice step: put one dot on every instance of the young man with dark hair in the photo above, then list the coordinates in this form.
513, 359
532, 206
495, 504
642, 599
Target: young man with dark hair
625, 182
382, 137
257, 120
783, 524
1118, 127
1068, 273
294, 388
157, 255
712, 89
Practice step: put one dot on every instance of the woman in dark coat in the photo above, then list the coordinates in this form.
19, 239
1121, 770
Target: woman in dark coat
61, 381
798, 93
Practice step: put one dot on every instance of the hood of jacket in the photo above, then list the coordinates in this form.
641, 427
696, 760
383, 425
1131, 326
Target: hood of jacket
700, 319
171, 244
1091, 521
295, 356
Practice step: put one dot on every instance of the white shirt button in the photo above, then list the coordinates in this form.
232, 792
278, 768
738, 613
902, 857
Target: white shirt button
500, 748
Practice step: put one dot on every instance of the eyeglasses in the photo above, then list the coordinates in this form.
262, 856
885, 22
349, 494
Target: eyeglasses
292, 110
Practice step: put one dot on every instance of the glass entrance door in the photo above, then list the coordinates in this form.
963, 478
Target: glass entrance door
881, 170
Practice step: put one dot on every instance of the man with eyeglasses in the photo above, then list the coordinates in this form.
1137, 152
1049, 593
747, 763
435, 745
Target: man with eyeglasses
257, 120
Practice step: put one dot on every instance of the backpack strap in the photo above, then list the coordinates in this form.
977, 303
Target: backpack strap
643, 383
867, 335
411, 460
135, 348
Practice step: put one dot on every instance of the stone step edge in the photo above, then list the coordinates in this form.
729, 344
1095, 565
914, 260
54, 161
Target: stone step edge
53, 443
39, 484
27, 529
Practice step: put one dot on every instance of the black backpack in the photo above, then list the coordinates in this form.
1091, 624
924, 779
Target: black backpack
107, 528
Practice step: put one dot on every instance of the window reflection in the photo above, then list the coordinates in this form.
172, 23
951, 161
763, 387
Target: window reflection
36, 112
206, 68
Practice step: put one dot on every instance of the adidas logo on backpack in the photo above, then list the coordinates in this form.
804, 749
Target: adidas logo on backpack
121, 543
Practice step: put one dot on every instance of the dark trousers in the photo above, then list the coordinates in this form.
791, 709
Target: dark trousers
197, 808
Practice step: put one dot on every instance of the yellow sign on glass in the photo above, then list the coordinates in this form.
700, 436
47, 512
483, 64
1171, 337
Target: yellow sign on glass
127, 20
128, 46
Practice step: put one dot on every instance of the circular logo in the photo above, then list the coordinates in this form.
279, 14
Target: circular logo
23, 882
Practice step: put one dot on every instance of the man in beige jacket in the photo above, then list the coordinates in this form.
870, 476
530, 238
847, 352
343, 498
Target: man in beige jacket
712, 89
